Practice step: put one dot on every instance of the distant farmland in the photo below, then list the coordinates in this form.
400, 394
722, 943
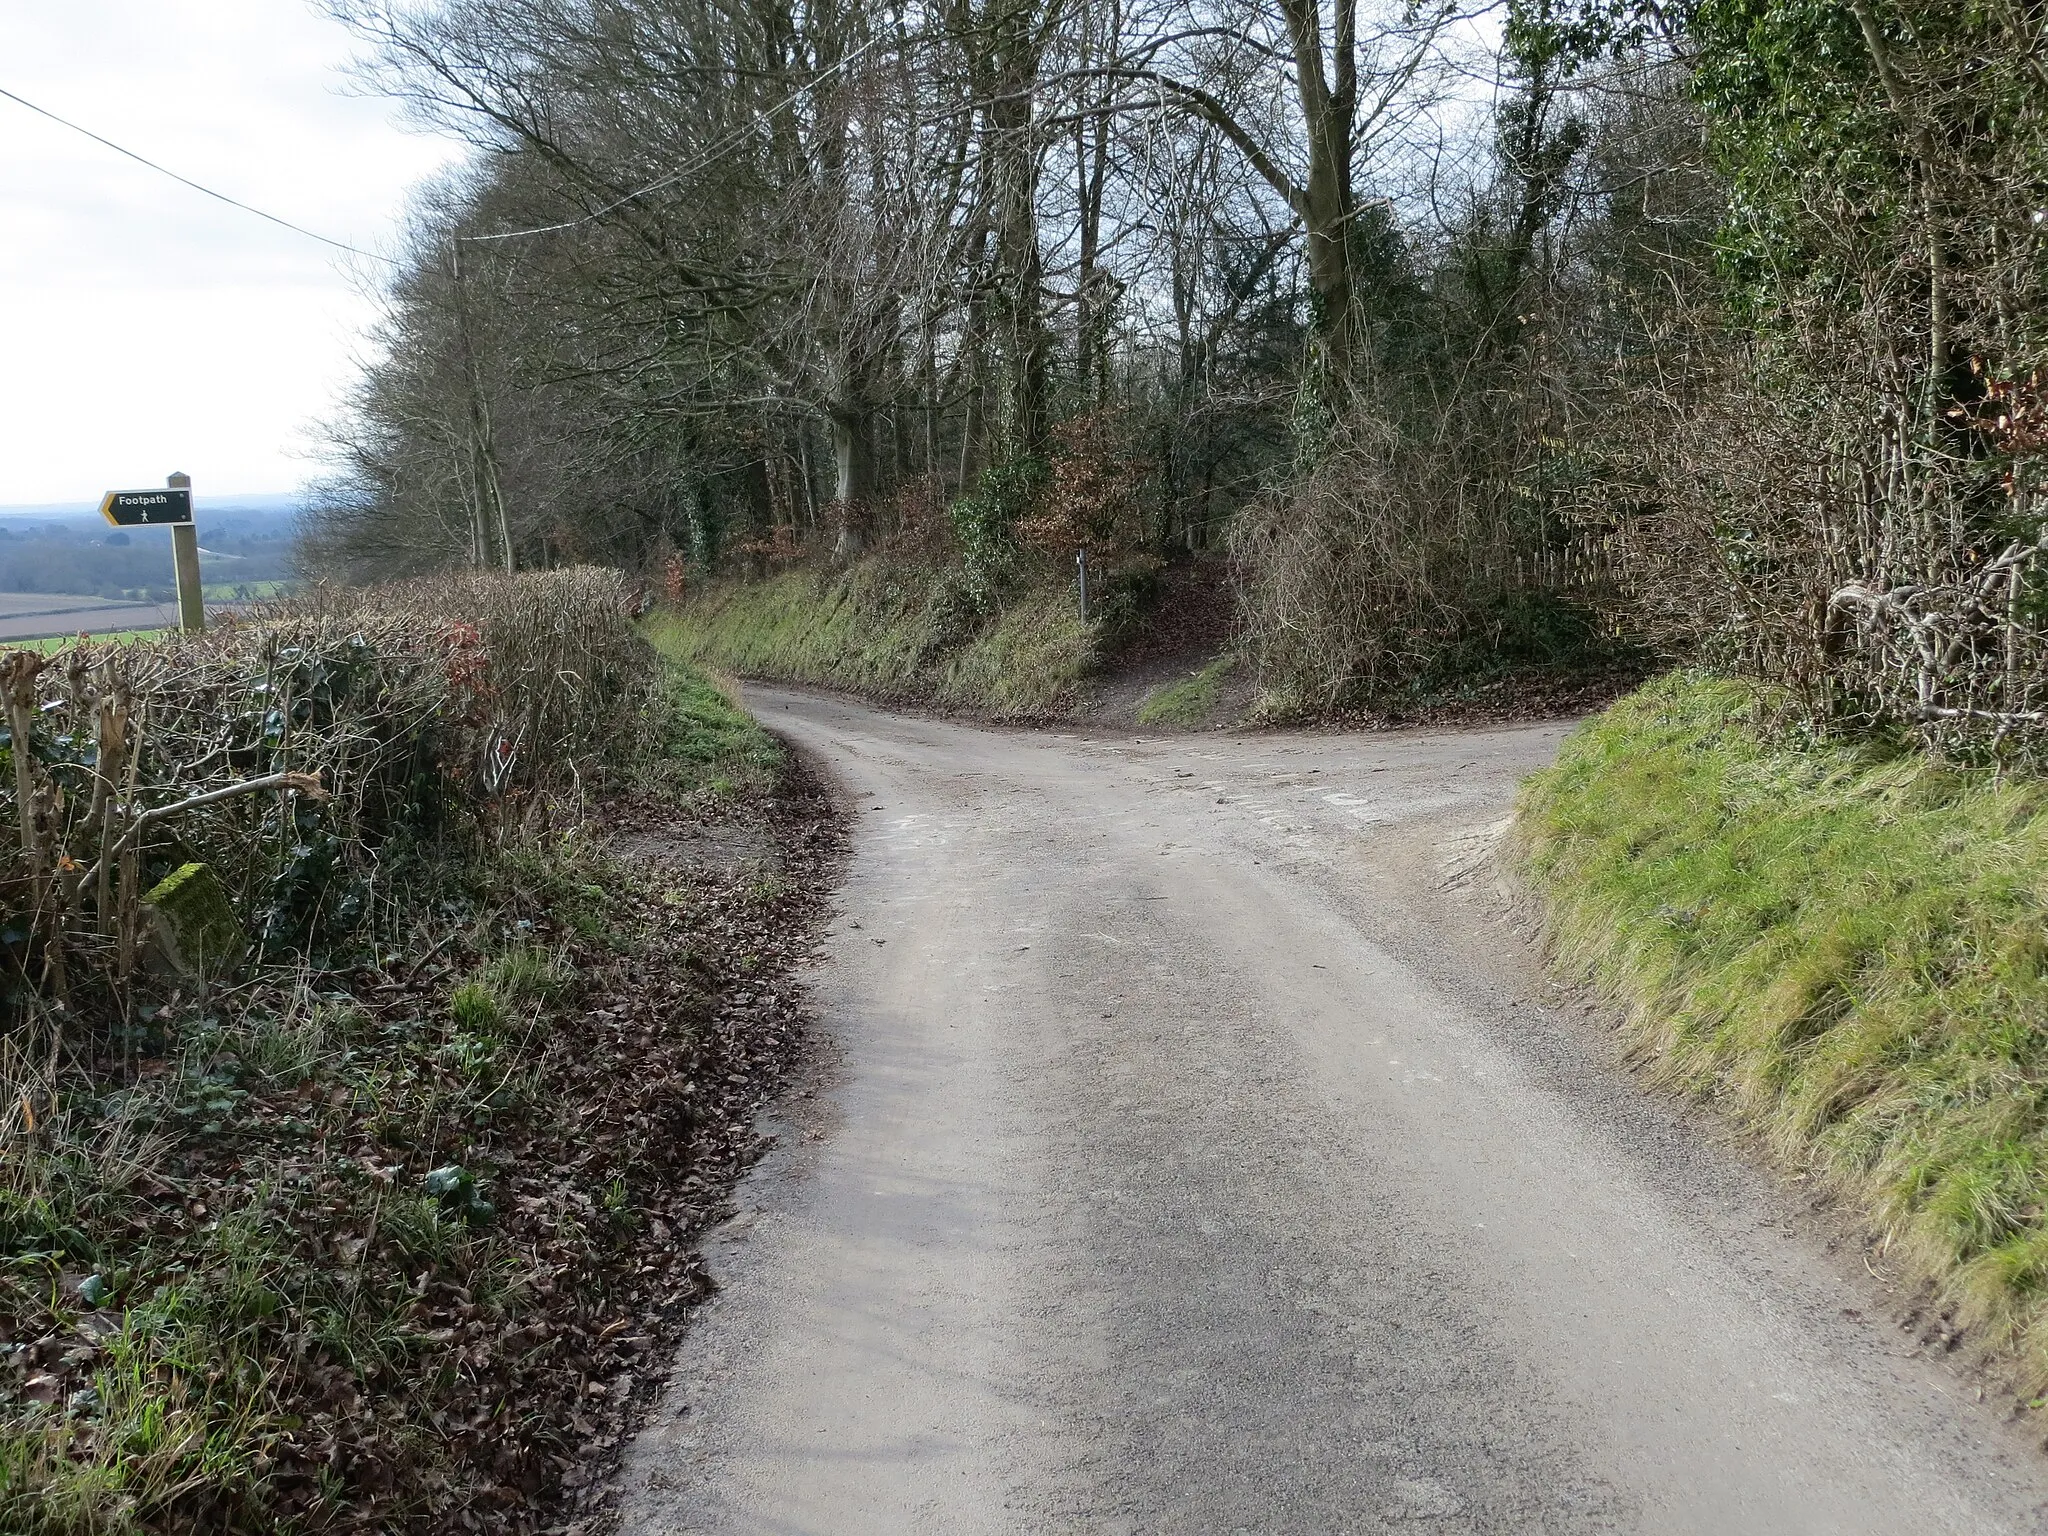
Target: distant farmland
66, 557
36, 615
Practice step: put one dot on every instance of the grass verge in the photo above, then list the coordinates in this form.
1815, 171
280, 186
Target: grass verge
713, 744
891, 629
1848, 949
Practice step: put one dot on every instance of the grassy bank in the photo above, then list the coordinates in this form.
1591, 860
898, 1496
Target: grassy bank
894, 630
1845, 948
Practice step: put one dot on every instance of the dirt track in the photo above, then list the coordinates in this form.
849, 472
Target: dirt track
1199, 1150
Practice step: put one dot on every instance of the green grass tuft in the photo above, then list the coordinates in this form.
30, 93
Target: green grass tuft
521, 975
1848, 948
1189, 701
476, 1009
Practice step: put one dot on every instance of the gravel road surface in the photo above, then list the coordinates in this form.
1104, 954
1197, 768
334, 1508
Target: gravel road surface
1197, 1147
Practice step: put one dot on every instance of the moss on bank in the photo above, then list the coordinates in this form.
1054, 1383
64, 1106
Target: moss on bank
895, 631
1846, 947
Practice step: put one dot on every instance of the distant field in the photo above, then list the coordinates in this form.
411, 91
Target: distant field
243, 542
42, 615
15, 604
30, 615
48, 643
230, 591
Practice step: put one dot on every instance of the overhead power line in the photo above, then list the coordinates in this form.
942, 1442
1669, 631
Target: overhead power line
232, 202
710, 156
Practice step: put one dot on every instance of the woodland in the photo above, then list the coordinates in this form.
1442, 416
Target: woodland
1710, 329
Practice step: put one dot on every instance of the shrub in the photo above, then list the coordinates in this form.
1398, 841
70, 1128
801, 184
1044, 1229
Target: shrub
985, 524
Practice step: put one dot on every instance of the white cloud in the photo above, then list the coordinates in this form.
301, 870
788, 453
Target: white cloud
143, 327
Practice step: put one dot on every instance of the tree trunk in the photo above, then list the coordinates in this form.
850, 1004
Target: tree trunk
1011, 150
1091, 312
483, 451
1327, 205
974, 371
853, 455
928, 371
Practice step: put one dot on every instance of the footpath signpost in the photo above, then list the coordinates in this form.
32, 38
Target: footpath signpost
172, 508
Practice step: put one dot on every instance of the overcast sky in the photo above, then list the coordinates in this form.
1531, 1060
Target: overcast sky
145, 328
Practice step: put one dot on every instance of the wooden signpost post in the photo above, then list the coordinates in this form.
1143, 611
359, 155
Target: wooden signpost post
170, 507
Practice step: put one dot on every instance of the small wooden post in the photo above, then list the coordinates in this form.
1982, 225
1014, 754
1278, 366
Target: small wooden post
1081, 567
185, 556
